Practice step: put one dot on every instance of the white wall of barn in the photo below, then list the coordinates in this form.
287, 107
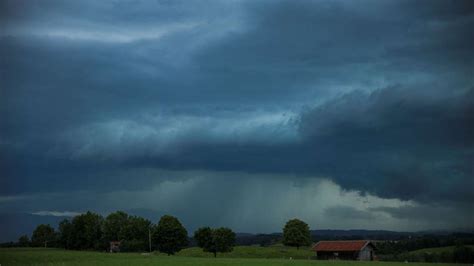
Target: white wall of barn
365, 253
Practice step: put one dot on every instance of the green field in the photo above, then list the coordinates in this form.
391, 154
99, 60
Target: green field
39, 256
272, 252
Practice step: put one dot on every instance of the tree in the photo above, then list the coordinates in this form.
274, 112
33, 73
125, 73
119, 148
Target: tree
224, 239
135, 234
42, 235
296, 234
136, 228
87, 232
23, 241
169, 235
65, 233
132, 231
114, 225
203, 237
215, 240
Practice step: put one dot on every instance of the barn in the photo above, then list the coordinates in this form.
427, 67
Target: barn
114, 246
345, 250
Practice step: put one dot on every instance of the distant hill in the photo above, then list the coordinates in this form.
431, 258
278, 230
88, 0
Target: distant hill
328, 234
358, 232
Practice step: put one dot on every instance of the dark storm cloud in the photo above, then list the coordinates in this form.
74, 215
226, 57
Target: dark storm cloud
377, 96
312, 49
399, 142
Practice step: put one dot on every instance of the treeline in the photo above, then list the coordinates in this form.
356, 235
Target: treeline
424, 241
91, 231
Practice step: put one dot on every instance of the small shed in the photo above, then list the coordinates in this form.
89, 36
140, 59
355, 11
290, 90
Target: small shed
115, 246
345, 250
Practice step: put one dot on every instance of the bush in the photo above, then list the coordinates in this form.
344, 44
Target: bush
463, 254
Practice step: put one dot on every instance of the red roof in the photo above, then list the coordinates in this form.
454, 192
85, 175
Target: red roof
353, 245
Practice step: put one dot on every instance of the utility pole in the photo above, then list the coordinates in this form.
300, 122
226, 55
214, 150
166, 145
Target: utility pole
149, 238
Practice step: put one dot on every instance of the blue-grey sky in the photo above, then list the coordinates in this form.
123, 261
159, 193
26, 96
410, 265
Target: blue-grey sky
239, 113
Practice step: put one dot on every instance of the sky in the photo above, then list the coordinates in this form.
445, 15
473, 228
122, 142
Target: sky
347, 115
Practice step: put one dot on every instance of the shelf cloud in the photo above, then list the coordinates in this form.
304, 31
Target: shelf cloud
228, 103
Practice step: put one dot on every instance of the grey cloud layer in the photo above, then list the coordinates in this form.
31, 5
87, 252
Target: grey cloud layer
414, 143
376, 96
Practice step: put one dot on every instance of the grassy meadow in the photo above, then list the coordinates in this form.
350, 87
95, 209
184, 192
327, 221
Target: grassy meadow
272, 252
41, 256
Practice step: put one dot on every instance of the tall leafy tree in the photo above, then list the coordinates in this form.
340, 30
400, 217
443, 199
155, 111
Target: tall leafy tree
136, 234
169, 235
65, 234
215, 240
224, 239
136, 228
203, 237
43, 235
296, 234
87, 232
114, 225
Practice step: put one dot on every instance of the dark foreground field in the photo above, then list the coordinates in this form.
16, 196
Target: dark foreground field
39, 256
